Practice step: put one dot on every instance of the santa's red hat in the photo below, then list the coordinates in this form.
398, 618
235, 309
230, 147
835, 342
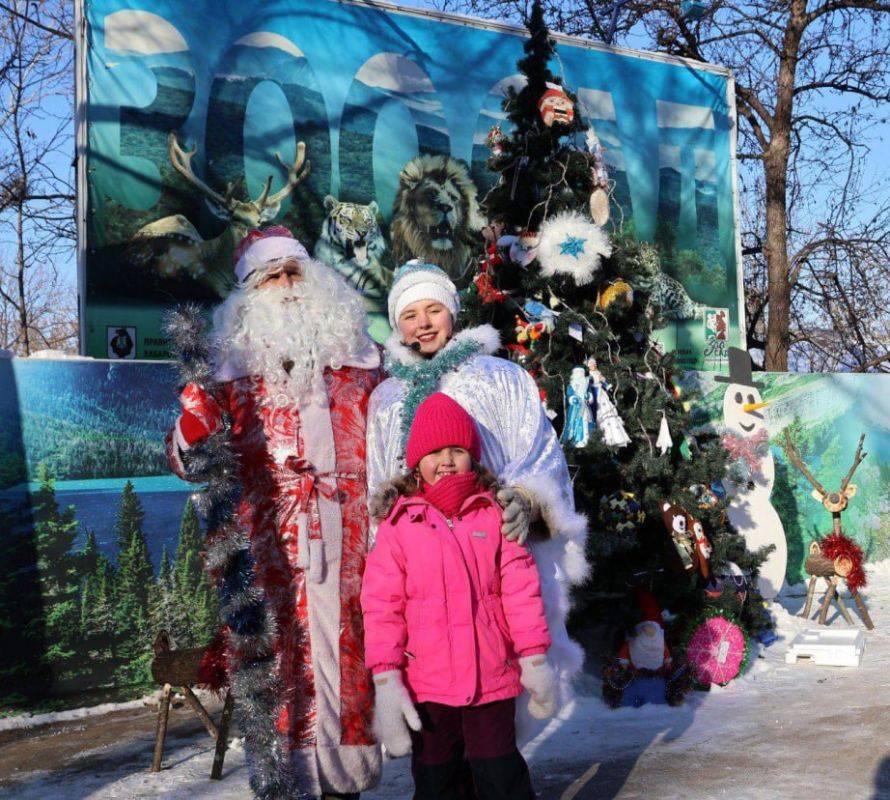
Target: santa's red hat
260, 250
441, 422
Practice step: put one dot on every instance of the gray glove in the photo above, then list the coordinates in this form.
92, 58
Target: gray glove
517, 513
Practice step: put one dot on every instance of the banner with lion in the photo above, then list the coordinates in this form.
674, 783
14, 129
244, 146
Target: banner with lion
362, 128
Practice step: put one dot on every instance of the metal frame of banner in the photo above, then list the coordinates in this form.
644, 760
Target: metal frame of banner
503, 27
81, 203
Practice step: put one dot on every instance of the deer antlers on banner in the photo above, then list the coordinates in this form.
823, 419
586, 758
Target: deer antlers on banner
252, 212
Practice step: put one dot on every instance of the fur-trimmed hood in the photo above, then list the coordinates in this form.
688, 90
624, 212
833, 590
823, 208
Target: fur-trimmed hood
485, 335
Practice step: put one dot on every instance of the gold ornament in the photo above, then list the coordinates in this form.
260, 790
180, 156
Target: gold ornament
618, 289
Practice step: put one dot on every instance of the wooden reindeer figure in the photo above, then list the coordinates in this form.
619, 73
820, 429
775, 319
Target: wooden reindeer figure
836, 556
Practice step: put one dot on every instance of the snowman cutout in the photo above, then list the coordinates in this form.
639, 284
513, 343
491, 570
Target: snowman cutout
750, 510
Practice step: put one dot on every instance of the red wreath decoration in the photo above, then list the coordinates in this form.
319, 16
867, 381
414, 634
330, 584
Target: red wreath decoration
213, 669
836, 545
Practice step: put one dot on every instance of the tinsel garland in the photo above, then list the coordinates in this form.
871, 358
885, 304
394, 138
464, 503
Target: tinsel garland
422, 379
249, 621
837, 545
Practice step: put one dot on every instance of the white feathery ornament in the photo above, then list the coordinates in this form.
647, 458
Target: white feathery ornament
572, 245
664, 442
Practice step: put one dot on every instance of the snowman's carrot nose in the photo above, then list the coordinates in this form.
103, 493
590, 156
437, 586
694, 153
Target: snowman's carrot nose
749, 407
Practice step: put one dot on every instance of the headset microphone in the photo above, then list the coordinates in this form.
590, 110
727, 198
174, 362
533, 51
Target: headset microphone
415, 346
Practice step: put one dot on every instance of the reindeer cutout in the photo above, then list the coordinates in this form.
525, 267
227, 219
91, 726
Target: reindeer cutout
836, 556
173, 246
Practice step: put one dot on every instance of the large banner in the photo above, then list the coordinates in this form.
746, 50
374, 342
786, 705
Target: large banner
195, 109
100, 546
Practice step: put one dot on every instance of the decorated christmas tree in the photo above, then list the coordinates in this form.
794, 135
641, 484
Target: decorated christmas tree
576, 298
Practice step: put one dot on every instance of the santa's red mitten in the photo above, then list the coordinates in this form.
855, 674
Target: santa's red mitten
201, 416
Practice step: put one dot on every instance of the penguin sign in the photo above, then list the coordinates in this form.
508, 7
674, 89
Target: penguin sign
750, 510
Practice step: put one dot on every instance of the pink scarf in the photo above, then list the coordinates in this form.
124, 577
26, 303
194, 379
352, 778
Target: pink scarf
448, 493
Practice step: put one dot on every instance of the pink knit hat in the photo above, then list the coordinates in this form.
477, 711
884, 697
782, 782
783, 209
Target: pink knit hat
441, 422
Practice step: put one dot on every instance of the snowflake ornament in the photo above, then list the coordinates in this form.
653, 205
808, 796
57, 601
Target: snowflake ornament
570, 244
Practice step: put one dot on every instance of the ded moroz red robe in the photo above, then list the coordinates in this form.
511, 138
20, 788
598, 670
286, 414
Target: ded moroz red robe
304, 509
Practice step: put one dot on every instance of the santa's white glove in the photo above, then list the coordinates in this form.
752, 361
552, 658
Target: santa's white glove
539, 679
517, 514
394, 713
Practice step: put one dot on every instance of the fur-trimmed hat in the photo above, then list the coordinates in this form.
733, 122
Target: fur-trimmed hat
418, 280
260, 251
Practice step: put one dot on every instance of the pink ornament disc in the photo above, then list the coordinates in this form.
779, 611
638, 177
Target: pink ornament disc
716, 650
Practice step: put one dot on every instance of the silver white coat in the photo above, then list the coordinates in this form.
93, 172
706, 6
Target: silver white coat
521, 448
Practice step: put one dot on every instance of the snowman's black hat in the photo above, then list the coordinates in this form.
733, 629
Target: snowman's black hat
739, 369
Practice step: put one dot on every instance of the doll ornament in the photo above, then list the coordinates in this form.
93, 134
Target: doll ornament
555, 106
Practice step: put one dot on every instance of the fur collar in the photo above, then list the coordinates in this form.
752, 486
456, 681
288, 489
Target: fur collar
485, 335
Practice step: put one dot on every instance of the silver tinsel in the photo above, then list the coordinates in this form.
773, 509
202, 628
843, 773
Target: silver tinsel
251, 655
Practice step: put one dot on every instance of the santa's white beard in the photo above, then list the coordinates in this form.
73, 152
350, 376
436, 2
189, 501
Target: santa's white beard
647, 652
317, 323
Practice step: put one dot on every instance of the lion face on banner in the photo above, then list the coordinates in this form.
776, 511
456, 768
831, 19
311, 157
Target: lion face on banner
436, 213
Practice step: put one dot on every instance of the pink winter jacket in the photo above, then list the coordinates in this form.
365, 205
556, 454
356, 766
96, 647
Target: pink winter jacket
451, 602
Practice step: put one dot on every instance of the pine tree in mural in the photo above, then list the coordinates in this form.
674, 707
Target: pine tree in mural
57, 566
167, 611
24, 673
134, 580
576, 299
97, 626
188, 566
182, 602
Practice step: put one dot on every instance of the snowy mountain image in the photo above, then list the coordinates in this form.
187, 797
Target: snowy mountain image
392, 114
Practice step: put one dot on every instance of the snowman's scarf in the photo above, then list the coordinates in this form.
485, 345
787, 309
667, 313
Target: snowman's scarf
748, 452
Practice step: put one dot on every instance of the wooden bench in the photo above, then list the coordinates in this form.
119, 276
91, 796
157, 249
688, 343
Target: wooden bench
181, 668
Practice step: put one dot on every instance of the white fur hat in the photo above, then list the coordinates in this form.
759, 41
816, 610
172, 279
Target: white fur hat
263, 254
417, 280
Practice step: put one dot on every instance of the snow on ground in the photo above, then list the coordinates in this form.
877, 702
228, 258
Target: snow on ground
781, 731
23, 721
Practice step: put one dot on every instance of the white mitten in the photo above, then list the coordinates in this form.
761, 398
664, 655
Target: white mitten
539, 679
394, 713
517, 514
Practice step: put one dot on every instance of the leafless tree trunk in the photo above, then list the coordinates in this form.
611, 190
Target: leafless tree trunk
811, 78
36, 192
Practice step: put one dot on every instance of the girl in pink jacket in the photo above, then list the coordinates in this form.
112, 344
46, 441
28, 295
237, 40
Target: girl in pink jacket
454, 622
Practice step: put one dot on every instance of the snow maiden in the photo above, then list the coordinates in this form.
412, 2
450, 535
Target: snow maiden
426, 354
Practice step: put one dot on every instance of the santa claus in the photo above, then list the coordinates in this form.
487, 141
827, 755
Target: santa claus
294, 370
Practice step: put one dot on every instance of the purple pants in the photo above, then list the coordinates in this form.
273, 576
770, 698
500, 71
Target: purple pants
481, 737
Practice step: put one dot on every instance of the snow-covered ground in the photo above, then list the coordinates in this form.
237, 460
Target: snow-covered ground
780, 732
